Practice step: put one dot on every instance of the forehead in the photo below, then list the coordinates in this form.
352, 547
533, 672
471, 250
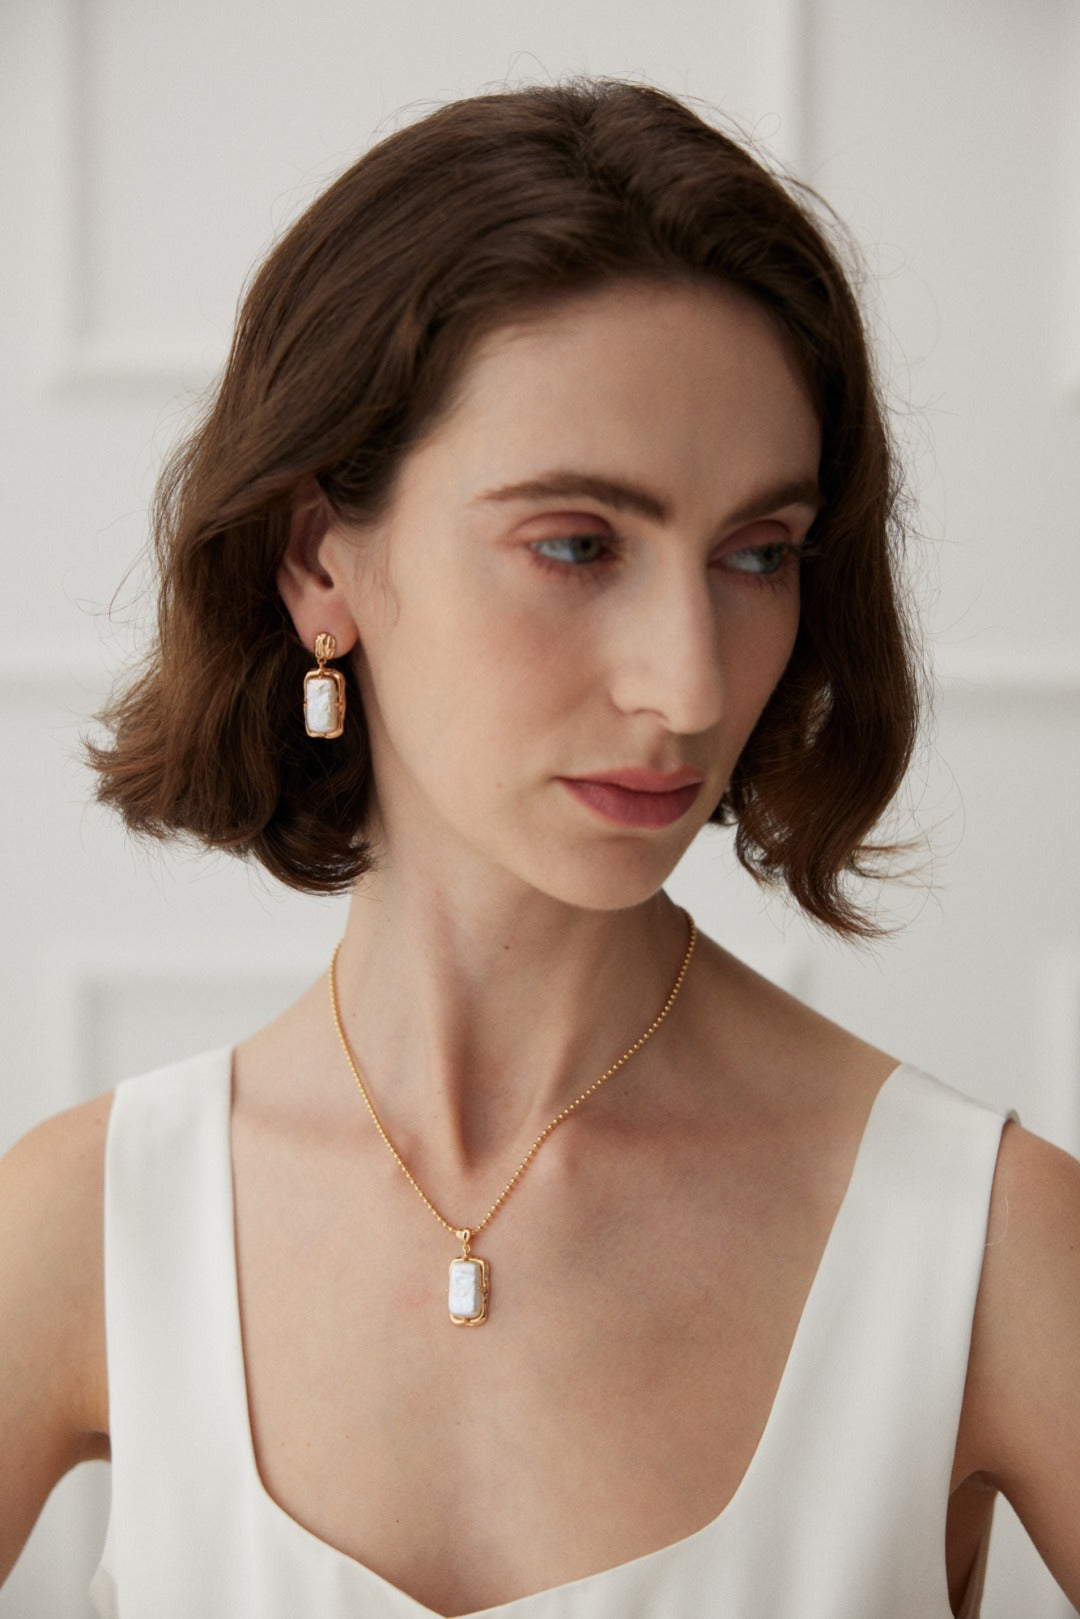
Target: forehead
687, 386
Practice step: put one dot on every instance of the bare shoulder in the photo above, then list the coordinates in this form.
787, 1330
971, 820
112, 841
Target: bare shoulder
1030, 1288
73, 1135
54, 1176
53, 1408
790, 1084
52, 1244
788, 1049
1022, 1413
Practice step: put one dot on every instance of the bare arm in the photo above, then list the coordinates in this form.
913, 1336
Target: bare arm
1024, 1377
53, 1389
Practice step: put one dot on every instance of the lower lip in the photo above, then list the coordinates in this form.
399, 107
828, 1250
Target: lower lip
625, 807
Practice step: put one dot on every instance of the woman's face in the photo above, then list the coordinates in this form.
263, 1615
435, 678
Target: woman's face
590, 566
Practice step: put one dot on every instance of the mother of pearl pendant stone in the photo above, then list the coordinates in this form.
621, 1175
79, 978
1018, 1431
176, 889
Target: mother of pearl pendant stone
469, 1290
324, 702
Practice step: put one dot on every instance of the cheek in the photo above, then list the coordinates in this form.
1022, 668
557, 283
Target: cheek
464, 682
783, 641
755, 653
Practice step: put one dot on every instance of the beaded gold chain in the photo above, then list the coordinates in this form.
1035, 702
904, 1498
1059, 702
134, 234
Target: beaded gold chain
470, 1275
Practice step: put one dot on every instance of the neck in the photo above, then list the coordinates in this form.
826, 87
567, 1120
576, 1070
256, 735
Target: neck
473, 1027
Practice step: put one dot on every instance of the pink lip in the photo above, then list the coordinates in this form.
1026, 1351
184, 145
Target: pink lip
618, 797
645, 781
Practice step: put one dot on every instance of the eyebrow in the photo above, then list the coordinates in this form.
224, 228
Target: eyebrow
623, 496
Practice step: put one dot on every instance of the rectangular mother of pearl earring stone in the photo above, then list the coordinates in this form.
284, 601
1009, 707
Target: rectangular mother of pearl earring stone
320, 704
468, 1290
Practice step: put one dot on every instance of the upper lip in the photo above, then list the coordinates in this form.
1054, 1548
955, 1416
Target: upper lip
645, 781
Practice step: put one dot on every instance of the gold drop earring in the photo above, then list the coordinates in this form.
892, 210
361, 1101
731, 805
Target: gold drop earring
324, 693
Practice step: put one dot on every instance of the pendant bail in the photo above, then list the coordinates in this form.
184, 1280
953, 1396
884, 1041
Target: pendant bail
464, 1236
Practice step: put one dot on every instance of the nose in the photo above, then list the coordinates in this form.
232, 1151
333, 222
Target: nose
667, 658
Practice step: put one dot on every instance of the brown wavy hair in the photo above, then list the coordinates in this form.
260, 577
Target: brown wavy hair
347, 346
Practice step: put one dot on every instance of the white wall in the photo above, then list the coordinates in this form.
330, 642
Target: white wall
150, 152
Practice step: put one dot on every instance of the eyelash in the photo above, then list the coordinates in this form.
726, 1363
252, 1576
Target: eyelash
591, 573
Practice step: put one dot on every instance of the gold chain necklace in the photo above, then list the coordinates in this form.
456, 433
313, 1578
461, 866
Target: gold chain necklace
470, 1276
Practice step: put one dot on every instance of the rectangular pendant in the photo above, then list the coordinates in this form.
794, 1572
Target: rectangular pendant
470, 1285
324, 702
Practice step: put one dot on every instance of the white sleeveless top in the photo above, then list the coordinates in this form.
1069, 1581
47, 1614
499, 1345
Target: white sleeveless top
840, 1515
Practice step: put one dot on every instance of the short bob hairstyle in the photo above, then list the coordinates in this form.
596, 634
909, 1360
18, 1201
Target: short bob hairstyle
350, 341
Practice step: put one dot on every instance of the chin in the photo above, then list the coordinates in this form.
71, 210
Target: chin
607, 880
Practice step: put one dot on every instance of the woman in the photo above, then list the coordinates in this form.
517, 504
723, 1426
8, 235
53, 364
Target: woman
542, 516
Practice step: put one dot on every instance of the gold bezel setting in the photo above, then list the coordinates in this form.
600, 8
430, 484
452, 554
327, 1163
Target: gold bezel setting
485, 1289
338, 679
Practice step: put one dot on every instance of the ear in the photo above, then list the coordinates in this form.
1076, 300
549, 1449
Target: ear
314, 576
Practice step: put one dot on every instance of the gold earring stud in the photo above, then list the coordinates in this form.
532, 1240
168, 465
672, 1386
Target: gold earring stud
324, 693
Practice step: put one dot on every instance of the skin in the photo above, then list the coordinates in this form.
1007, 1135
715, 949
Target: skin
499, 959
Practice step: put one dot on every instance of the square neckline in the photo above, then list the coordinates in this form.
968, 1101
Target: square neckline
364, 1574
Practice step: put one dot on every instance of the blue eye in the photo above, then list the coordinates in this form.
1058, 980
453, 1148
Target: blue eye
585, 558
575, 548
762, 560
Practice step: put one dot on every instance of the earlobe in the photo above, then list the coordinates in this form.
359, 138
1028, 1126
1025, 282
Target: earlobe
309, 583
